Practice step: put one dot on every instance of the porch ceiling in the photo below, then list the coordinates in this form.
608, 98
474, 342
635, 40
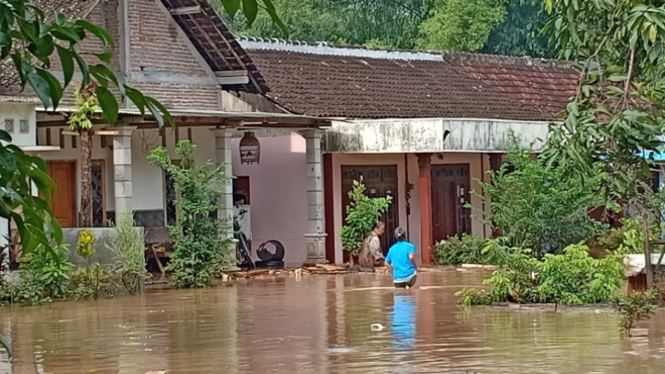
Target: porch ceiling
194, 118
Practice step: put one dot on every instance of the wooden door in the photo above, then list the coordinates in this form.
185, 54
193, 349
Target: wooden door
381, 181
450, 192
63, 200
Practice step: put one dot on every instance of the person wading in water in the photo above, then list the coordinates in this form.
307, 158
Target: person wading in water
401, 260
370, 254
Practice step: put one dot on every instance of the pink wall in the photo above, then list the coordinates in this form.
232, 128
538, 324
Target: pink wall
278, 188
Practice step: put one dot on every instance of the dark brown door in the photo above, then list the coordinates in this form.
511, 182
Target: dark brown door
63, 200
450, 192
381, 181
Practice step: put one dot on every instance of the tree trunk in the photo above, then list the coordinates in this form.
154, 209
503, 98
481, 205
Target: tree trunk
85, 218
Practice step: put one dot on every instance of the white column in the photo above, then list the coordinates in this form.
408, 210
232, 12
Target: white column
223, 156
316, 235
122, 170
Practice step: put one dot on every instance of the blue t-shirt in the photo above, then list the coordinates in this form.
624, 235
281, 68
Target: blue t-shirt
398, 257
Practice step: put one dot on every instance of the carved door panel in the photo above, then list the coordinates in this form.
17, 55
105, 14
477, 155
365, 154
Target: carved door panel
450, 193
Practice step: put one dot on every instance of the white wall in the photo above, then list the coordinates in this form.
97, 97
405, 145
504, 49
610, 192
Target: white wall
18, 112
473, 159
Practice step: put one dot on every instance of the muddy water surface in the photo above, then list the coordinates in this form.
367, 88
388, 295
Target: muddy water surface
342, 324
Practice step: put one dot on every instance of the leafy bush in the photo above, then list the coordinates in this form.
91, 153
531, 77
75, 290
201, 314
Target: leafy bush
465, 250
636, 307
573, 277
93, 281
629, 238
129, 247
49, 270
473, 296
198, 249
361, 215
539, 206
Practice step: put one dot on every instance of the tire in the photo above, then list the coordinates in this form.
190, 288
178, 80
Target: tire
266, 255
270, 264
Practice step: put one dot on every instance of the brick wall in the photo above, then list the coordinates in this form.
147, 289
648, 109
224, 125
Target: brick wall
161, 60
156, 42
182, 96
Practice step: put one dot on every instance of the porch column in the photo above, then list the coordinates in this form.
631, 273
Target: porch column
122, 170
425, 180
316, 235
223, 157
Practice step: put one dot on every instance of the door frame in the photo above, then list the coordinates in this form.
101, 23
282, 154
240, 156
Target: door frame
457, 208
394, 205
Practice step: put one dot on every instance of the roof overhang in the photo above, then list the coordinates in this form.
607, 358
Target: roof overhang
433, 135
194, 118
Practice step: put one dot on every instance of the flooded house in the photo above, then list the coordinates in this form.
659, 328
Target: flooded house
422, 127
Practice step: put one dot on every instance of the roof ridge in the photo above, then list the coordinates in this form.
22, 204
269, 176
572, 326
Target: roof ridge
328, 48
485, 58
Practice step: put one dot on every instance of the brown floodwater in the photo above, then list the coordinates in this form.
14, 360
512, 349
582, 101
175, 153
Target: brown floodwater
321, 324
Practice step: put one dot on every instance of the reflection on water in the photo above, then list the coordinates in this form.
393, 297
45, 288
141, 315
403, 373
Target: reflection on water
404, 320
321, 325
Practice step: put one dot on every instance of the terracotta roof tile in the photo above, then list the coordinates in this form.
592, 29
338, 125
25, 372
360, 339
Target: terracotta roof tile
336, 84
10, 83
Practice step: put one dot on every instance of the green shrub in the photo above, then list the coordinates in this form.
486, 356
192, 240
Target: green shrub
473, 296
540, 206
128, 245
636, 307
361, 215
573, 277
199, 248
465, 250
93, 281
49, 270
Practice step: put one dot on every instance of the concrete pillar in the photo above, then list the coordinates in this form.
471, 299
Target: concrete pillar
426, 231
316, 235
223, 156
122, 170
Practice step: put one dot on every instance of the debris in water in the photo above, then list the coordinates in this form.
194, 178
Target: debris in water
376, 327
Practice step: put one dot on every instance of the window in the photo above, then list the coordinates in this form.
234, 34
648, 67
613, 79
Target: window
24, 126
241, 191
9, 125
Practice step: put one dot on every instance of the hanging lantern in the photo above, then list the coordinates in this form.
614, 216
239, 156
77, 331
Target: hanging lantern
250, 149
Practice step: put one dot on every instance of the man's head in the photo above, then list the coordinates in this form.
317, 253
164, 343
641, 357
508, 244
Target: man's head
379, 228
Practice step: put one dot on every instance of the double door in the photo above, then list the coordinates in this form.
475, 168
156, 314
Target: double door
450, 194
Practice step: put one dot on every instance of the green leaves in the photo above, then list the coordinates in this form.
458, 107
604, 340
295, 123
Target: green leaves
108, 103
199, 251
250, 8
461, 25
231, 7
361, 215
